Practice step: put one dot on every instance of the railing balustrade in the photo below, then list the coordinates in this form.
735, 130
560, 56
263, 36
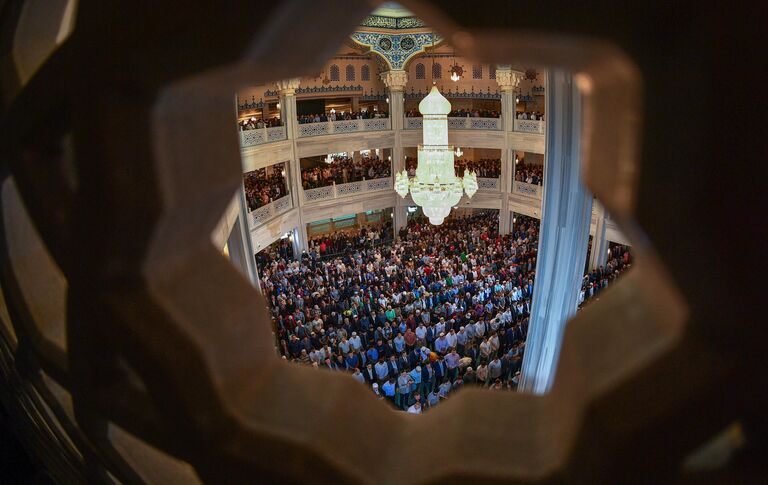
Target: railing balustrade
259, 136
266, 212
529, 190
488, 184
336, 191
529, 126
459, 123
344, 126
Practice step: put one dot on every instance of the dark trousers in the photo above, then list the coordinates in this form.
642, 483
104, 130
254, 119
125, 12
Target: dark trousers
404, 400
453, 373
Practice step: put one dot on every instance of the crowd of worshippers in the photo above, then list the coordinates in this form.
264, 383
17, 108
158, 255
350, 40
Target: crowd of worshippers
280, 250
254, 123
598, 279
344, 170
460, 113
261, 189
529, 173
341, 116
442, 307
530, 115
483, 168
340, 242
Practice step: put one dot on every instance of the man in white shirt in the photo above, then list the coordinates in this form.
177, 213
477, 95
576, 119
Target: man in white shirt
357, 344
451, 338
415, 408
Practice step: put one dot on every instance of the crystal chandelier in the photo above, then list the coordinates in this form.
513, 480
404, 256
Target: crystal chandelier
436, 188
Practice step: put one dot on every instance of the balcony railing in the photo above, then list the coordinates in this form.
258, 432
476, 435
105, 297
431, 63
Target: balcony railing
529, 126
259, 136
336, 191
529, 190
273, 209
488, 184
459, 123
346, 126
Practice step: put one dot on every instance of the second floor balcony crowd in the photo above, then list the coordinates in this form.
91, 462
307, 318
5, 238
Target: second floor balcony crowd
254, 123
529, 173
341, 116
484, 167
344, 170
530, 115
265, 185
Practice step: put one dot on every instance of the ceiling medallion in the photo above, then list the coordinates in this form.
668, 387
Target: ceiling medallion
385, 43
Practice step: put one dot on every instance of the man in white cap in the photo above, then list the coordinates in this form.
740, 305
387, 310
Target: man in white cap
441, 344
357, 344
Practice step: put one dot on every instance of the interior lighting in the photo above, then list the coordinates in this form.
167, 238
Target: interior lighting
436, 188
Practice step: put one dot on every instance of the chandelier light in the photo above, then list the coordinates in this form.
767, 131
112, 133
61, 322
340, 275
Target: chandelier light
456, 70
458, 152
436, 188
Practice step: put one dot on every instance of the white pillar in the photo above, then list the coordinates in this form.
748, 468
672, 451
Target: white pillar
395, 81
508, 81
505, 187
599, 255
287, 89
566, 217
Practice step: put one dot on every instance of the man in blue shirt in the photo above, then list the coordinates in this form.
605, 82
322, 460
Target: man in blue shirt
372, 354
399, 342
352, 361
415, 375
389, 390
382, 370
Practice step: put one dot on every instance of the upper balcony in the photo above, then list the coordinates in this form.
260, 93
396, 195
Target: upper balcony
529, 126
261, 215
259, 136
495, 127
337, 191
343, 126
459, 123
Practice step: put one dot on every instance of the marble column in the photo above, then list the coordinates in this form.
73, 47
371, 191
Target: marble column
566, 217
395, 81
508, 81
287, 91
505, 188
599, 255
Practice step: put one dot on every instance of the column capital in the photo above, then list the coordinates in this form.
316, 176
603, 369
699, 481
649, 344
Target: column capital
395, 79
287, 87
508, 79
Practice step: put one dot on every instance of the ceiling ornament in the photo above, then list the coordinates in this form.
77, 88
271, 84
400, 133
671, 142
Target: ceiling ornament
396, 49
